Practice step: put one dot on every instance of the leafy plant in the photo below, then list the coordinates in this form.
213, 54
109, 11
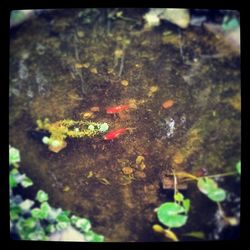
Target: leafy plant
210, 188
36, 219
172, 214
238, 167
175, 214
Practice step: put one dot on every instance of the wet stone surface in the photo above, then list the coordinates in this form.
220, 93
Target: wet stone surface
64, 64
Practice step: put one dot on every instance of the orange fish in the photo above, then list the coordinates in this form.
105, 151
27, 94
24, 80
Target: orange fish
114, 134
116, 109
167, 104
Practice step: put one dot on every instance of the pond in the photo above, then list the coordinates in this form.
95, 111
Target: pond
179, 95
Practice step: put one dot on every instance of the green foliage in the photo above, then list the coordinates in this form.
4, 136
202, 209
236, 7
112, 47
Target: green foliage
210, 188
238, 167
172, 214
14, 156
37, 220
41, 196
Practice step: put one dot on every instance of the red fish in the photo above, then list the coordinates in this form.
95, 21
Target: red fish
116, 109
114, 134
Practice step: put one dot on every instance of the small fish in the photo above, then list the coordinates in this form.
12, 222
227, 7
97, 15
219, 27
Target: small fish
114, 134
116, 109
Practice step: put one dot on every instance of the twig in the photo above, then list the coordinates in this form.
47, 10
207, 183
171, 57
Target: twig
175, 183
76, 50
121, 66
180, 46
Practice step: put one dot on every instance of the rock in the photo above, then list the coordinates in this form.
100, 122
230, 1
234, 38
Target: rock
68, 234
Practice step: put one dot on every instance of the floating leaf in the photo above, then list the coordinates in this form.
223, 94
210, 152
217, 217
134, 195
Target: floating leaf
41, 196
170, 214
217, 195
238, 167
210, 188
206, 185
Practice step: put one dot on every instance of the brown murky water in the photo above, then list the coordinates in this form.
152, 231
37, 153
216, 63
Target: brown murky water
201, 129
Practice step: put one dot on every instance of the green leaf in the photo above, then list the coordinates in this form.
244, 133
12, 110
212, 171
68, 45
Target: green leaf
170, 214
90, 236
15, 211
206, 185
238, 167
50, 228
83, 224
61, 225
38, 235
26, 182
30, 223
26, 205
62, 217
41, 196
210, 188
217, 195
12, 181
14, 155
36, 213
186, 205
178, 197
44, 210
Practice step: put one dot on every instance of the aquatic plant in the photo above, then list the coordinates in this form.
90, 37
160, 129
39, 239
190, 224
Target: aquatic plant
37, 219
62, 129
175, 214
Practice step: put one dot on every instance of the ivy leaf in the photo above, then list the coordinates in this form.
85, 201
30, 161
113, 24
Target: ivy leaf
14, 212
44, 210
41, 196
63, 217
36, 213
90, 236
12, 181
83, 224
170, 214
238, 167
14, 155
30, 223
26, 205
26, 182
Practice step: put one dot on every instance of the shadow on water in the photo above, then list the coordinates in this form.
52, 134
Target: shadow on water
63, 65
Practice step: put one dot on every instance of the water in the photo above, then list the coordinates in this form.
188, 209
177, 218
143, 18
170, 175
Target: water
201, 129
